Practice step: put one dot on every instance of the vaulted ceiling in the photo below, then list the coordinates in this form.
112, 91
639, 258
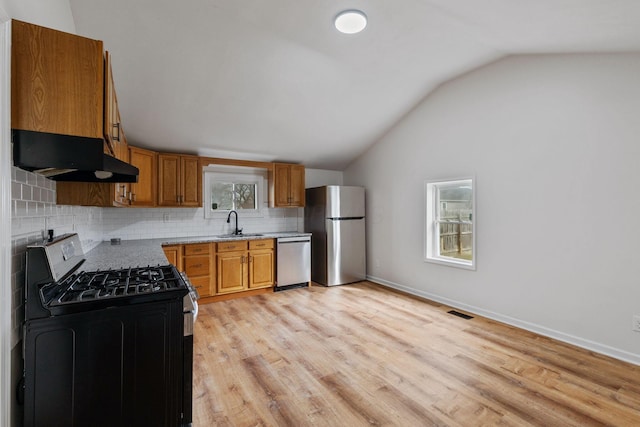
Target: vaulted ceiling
274, 80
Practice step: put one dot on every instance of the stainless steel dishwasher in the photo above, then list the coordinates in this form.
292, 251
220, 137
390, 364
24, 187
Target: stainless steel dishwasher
294, 262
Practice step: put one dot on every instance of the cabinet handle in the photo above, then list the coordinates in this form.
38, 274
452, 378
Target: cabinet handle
260, 244
250, 258
117, 136
242, 259
196, 265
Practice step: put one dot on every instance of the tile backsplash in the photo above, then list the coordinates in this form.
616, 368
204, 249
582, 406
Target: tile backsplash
33, 211
151, 223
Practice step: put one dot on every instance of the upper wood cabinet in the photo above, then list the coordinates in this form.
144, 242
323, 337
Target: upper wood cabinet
144, 192
100, 193
56, 81
179, 180
286, 185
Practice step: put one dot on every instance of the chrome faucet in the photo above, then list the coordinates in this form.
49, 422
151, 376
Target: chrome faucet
237, 231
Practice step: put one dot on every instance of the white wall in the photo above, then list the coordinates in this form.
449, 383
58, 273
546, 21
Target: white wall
320, 177
54, 14
554, 144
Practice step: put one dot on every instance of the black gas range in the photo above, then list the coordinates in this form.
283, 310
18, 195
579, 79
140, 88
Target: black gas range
105, 348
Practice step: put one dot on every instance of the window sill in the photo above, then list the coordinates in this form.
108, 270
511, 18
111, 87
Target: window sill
452, 262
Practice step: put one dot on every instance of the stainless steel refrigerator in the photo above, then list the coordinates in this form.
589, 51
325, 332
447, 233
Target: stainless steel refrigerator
335, 216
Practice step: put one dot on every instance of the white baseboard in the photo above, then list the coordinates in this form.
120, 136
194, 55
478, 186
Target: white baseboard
532, 327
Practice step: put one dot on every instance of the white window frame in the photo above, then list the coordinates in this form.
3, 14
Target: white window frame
432, 229
239, 175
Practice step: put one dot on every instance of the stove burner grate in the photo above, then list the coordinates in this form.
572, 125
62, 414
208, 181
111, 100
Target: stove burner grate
100, 285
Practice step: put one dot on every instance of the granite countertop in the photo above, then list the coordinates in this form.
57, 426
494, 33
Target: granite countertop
145, 252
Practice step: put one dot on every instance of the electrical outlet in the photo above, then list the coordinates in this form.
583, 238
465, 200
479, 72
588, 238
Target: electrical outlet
636, 323
165, 217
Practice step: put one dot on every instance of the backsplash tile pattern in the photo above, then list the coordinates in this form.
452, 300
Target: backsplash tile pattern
34, 211
151, 223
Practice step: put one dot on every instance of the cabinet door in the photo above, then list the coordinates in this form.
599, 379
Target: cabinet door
57, 81
112, 129
296, 186
203, 285
281, 178
168, 184
173, 256
261, 269
143, 193
190, 181
84, 193
288, 185
232, 272
121, 190
196, 265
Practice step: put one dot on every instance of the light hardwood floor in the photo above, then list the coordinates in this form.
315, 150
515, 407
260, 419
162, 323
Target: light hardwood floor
361, 354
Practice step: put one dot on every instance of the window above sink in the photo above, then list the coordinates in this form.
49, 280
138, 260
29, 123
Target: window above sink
238, 188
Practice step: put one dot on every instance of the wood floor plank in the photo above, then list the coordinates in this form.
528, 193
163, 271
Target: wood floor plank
362, 354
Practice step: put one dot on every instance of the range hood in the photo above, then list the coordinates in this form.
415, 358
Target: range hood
68, 158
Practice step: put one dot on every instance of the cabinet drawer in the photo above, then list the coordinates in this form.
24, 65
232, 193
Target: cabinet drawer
202, 284
196, 265
196, 249
261, 244
232, 246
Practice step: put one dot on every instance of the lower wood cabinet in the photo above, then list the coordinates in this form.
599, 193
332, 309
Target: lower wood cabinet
245, 265
261, 264
197, 260
232, 262
174, 255
235, 266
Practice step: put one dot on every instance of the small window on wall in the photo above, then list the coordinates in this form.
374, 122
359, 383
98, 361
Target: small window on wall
229, 188
234, 195
450, 223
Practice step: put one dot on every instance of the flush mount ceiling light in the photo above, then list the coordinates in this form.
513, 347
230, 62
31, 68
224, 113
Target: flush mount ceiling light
351, 21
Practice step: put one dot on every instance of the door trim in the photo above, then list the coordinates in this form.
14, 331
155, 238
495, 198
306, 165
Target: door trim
6, 296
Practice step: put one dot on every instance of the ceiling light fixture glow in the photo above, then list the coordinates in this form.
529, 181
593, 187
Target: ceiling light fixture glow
351, 21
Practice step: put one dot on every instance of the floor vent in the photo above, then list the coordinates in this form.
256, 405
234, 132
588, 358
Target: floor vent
457, 313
